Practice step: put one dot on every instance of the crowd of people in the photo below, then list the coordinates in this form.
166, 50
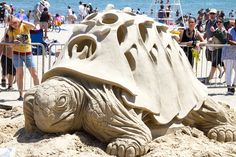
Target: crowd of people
210, 26
216, 30
17, 31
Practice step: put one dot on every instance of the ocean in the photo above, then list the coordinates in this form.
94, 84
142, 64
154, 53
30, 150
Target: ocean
188, 6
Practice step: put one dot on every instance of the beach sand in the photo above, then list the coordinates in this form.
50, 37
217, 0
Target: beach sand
182, 141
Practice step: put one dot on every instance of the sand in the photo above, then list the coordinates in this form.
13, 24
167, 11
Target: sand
181, 141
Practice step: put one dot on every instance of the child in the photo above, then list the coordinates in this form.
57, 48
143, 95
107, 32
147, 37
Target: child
8, 69
57, 20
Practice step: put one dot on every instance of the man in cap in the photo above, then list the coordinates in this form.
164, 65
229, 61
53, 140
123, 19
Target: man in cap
209, 30
210, 24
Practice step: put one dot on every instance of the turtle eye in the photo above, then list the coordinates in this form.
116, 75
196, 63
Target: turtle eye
61, 102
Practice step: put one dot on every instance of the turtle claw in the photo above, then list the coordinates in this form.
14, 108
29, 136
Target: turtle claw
125, 148
225, 133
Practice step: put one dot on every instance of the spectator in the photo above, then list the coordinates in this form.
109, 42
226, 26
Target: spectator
138, 11
12, 9
177, 13
209, 29
81, 11
90, 8
168, 15
200, 27
46, 4
74, 17
69, 14
161, 14
19, 32
210, 23
57, 20
44, 19
38, 9
21, 15
2, 12
222, 14
30, 16
230, 61
190, 37
231, 14
8, 69
219, 37
168, 11
85, 11
37, 13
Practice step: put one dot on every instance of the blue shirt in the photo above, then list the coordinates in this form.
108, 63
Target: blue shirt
229, 52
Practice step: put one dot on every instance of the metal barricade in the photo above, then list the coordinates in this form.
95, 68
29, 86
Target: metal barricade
209, 61
39, 60
54, 51
201, 67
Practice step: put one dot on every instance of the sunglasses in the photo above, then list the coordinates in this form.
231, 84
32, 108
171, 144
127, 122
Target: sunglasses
219, 21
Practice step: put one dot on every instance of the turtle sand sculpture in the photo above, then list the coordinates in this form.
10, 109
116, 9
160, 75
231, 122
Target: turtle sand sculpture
123, 78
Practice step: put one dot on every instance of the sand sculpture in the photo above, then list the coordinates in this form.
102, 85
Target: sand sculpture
124, 79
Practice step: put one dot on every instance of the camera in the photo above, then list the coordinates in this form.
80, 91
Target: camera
22, 37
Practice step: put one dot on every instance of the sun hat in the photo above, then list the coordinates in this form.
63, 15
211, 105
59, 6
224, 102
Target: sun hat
214, 11
42, 2
109, 7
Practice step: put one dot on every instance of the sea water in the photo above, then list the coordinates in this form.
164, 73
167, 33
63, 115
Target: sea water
188, 6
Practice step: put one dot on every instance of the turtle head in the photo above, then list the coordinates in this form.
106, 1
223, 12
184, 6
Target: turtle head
56, 106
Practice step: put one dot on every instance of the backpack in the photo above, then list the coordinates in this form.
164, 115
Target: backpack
220, 36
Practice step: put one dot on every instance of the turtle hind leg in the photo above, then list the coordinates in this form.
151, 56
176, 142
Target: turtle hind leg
215, 120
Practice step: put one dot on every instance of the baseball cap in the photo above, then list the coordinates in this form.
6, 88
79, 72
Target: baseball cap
214, 11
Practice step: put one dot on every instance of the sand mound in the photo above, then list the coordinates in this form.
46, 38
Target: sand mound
182, 141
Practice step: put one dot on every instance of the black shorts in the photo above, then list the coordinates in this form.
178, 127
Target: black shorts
189, 54
7, 66
216, 58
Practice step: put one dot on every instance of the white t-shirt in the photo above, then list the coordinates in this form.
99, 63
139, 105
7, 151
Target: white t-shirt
81, 9
69, 12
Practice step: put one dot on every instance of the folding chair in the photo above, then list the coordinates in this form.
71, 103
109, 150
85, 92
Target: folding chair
37, 37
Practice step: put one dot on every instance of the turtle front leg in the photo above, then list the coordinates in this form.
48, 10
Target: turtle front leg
123, 129
125, 147
30, 125
215, 120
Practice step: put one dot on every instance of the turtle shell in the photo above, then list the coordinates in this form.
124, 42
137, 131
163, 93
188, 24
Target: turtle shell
137, 54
